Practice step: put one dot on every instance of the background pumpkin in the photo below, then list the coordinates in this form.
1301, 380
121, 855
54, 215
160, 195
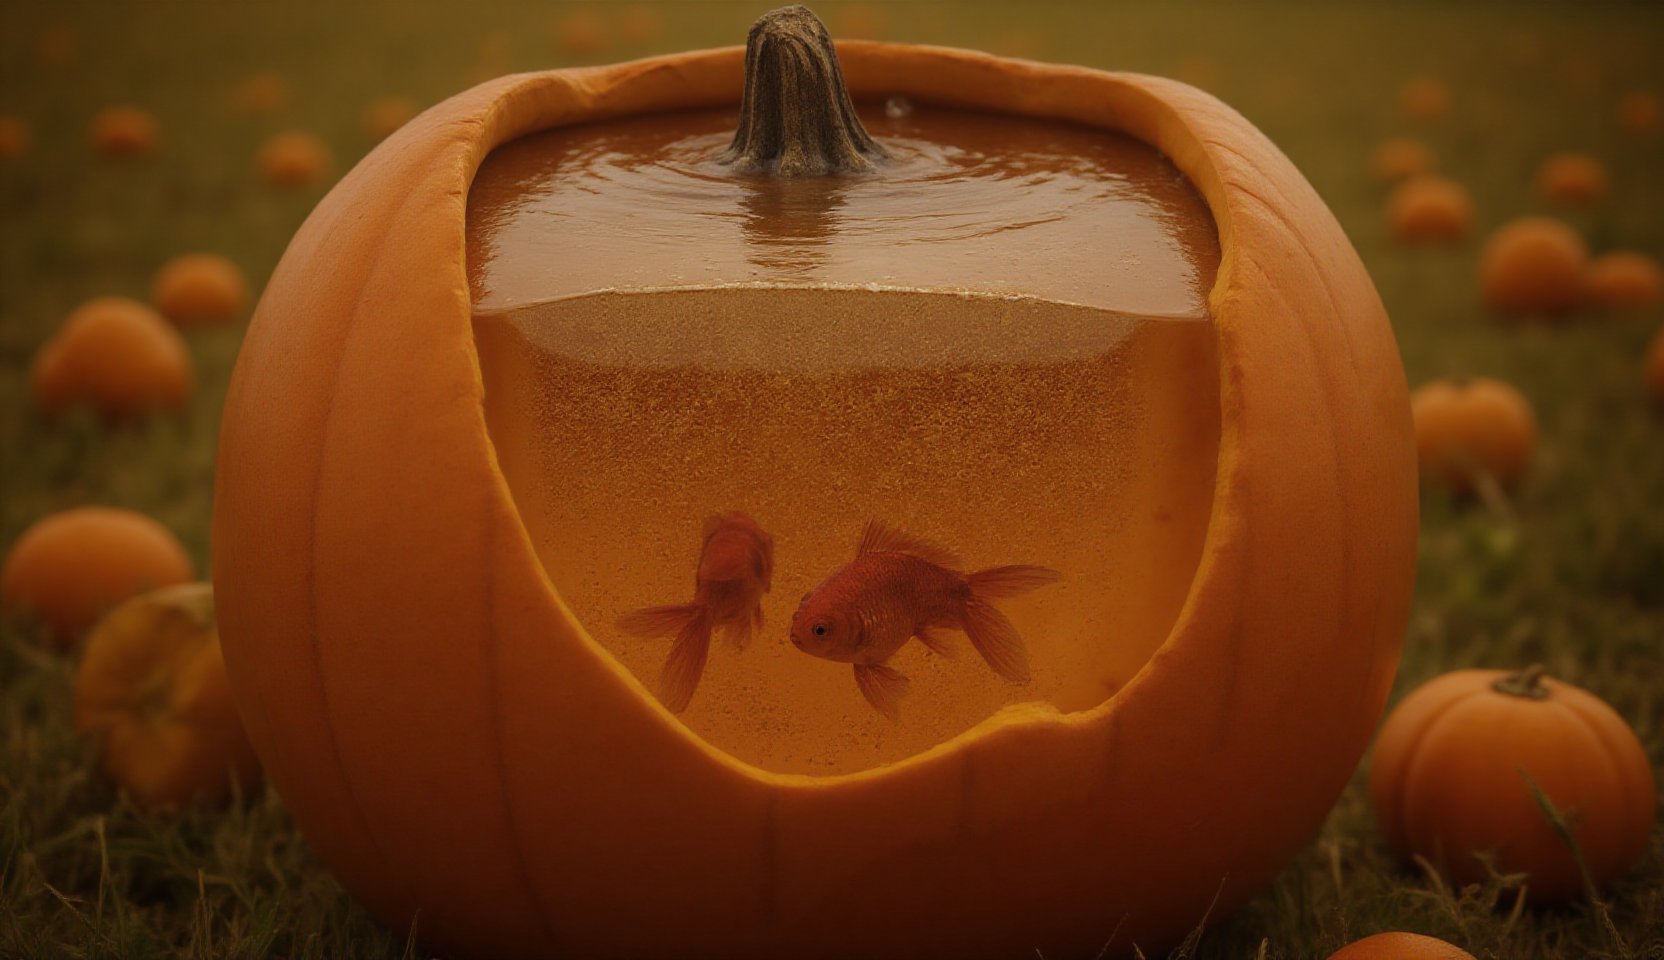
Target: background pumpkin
1400, 946
1449, 780
1469, 429
404, 665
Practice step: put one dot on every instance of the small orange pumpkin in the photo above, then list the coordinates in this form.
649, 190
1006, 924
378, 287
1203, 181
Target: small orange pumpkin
1641, 112
640, 24
151, 687
70, 567
262, 94
386, 115
1424, 98
117, 356
581, 34
200, 290
1402, 158
1625, 280
1430, 209
1654, 369
1400, 946
1572, 178
123, 132
1453, 773
1466, 429
293, 159
14, 137
1533, 265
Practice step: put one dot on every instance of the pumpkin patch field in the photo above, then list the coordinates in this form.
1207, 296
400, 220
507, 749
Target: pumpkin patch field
379, 381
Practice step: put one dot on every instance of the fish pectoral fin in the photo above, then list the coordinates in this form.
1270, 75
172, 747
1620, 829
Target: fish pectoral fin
879, 537
996, 639
685, 663
883, 688
938, 640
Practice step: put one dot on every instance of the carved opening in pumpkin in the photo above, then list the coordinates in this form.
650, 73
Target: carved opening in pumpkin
997, 341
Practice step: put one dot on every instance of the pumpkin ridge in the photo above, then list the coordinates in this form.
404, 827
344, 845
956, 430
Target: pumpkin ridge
1599, 717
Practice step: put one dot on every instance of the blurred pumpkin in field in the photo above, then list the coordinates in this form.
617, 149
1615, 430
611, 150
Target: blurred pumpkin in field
581, 33
262, 94
123, 132
1571, 178
1641, 112
293, 159
1401, 158
14, 137
1654, 369
1454, 768
387, 115
1430, 209
70, 567
1468, 428
152, 689
859, 21
200, 290
1625, 280
56, 46
640, 24
1424, 98
1533, 265
117, 356
1400, 946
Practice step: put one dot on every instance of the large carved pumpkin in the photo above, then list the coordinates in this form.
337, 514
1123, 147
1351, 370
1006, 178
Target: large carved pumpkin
470, 761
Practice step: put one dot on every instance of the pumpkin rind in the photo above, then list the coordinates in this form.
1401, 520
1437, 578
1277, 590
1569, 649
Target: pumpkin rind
403, 664
1400, 946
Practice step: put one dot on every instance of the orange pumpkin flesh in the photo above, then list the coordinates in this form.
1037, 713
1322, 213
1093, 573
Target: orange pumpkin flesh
293, 159
1449, 780
385, 618
151, 687
70, 567
200, 290
123, 132
1625, 280
1468, 429
1572, 178
1430, 209
117, 356
1400, 946
1533, 265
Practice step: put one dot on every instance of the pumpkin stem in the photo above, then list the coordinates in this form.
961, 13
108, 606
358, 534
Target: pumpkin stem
796, 118
1526, 683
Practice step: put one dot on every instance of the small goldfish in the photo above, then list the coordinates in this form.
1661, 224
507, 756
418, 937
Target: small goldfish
899, 587
736, 567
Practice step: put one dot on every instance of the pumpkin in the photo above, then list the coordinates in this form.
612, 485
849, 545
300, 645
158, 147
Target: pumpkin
581, 34
404, 665
262, 94
1533, 265
1572, 178
1424, 98
1430, 209
293, 159
14, 137
1400, 946
199, 290
151, 689
1472, 428
57, 46
1654, 370
1641, 112
640, 24
386, 115
1457, 762
123, 132
1401, 158
67, 569
1625, 280
117, 356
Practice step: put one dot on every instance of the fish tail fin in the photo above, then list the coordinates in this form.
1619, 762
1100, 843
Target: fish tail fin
659, 621
738, 633
999, 582
996, 639
686, 662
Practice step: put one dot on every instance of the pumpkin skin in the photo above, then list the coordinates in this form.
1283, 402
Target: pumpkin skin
1464, 427
403, 664
123, 132
1430, 210
199, 290
386, 115
293, 159
1625, 280
70, 567
1400, 946
1641, 113
14, 137
1571, 178
1653, 370
1446, 782
1401, 158
151, 687
1533, 265
1424, 98
117, 356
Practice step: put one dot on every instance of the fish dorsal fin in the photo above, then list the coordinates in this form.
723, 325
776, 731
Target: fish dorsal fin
879, 537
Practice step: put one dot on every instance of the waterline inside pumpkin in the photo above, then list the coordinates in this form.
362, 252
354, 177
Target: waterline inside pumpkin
1010, 430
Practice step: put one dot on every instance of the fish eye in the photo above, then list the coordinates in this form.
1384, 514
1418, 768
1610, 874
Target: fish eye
820, 629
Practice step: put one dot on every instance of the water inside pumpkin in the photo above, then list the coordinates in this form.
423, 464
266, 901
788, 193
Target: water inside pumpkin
656, 350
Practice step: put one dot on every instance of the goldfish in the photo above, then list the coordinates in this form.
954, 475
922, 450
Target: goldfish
736, 567
898, 588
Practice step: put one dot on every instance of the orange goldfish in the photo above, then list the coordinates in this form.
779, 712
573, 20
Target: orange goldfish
899, 587
736, 567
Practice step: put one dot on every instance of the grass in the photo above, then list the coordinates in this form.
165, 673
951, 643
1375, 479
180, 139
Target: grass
1568, 571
